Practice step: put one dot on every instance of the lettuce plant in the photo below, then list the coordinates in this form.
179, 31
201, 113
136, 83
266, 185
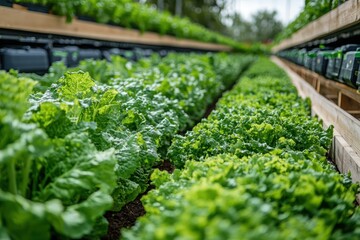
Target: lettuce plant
255, 169
76, 146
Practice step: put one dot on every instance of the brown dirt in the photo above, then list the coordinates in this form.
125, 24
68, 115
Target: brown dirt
128, 215
123, 219
166, 166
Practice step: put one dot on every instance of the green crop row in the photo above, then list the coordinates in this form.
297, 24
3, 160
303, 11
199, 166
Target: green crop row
255, 169
260, 115
75, 146
130, 14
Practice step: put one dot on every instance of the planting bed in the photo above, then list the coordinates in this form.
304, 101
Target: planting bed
82, 143
79, 145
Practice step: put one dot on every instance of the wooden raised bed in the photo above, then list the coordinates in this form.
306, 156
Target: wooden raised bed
24, 20
342, 17
345, 150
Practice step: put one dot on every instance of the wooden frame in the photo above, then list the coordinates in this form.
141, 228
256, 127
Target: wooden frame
342, 95
342, 17
24, 20
345, 150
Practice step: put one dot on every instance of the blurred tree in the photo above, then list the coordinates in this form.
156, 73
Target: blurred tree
239, 28
263, 27
204, 12
313, 9
266, 26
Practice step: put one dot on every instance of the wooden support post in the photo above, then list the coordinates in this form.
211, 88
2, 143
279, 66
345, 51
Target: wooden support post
318, 86
349, 105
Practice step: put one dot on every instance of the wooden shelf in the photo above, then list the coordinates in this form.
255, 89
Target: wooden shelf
345, 149
343, 96
342, 17
24, 20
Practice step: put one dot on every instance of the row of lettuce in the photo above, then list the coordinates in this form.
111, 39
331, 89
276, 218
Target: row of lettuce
73, 147
131, 14
254, 169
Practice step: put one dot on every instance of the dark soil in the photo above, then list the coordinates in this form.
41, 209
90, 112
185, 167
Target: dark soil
123, 219
211, 108
331, 161
128, 215
166, 166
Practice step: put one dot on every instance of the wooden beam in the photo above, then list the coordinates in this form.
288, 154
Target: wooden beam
347, 103
23, 20
345, 150
345, 158
354, 111
342, 17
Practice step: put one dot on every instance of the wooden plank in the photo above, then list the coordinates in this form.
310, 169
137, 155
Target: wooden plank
342, 17
348, 91
324, 84
348, 103
346, 144
351, 92
331, 96
322, 27
16, 19
346, 160
347, 13
18, 6
325, 88
354, 111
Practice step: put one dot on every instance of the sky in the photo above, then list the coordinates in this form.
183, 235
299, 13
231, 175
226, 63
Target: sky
287, 10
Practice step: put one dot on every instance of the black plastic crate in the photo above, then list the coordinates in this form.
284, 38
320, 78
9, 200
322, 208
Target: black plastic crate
310, 57
89, 54
358, 79
35, 7
68, 55
143, 53
301, 56
322, 60
339, 58
350, 68
6, 3
291, 55
128, 54
330, 69
24, 59
163, 52
109, 52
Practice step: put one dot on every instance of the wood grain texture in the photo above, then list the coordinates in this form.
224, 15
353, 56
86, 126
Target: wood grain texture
345, 158
18, 19
342, 17
345, 149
